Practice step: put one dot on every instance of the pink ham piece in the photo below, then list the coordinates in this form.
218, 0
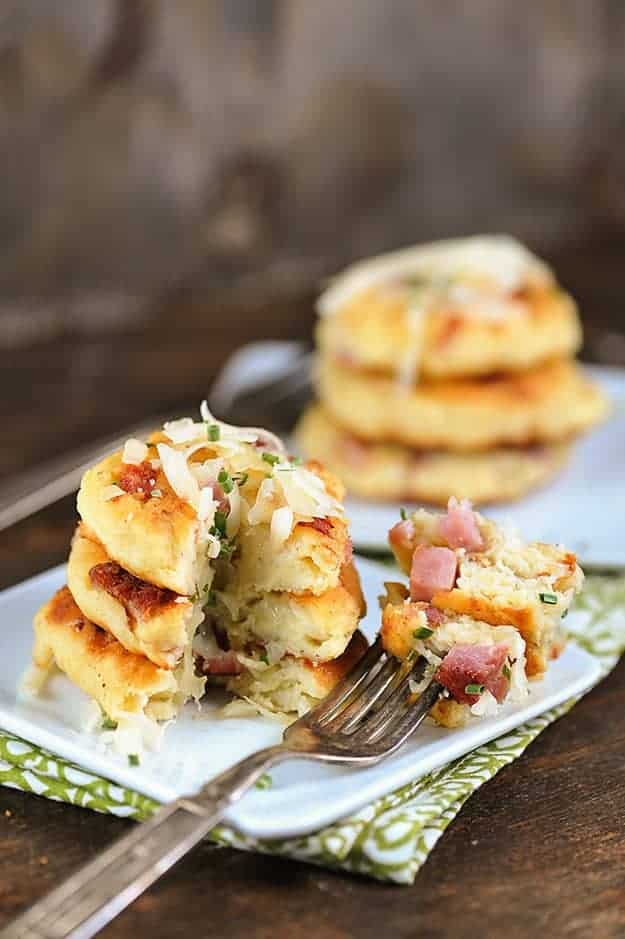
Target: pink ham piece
474, 665
459, 526
222, 663
433, 570
434, 616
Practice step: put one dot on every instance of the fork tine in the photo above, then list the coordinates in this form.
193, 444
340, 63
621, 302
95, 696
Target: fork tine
346, 688
371, 691
387, 710
411, 718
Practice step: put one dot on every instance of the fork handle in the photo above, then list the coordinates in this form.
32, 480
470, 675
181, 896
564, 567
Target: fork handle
83, 904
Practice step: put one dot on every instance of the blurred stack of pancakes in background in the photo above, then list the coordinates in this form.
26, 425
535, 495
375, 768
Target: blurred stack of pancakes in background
448, 370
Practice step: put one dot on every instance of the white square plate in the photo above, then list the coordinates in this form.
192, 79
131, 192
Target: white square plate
304, 797
583, 508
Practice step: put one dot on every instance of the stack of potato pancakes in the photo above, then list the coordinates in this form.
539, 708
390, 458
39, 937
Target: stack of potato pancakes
205, 554
447, 370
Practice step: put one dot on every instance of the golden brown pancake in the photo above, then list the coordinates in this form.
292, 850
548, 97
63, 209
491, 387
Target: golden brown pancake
392, 472
159, 539
551, 403
121, 682
146, 619
467, 307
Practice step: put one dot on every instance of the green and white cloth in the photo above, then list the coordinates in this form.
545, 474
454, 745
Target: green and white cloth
389, 839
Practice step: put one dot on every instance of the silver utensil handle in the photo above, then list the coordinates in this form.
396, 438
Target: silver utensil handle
35, 489
89, 899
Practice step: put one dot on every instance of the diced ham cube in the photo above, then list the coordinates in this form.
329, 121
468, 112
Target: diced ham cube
459, 527
433, 570
474, 665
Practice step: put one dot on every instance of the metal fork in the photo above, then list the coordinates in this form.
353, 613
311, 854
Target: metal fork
365, 719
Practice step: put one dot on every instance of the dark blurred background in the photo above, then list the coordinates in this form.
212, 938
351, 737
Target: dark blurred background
178, 177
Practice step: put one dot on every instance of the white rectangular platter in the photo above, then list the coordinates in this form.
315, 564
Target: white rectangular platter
303, 796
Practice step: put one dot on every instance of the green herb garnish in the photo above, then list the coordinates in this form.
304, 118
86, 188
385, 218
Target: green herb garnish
108, 723
227, 549
219, 524
549, 598
424, 632
404, 514
264, 782
213, 432
271, 458
241, 479
473, 689
264, 658
506, 672
225, 481
133, 759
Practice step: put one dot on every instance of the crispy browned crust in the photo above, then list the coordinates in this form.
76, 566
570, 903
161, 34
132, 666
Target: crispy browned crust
146, 619
399, 622
328, 674
93, 659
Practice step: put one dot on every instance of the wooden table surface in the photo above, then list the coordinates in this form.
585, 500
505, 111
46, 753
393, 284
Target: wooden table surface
539, 849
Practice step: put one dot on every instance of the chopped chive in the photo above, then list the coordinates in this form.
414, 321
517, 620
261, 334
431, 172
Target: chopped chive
549, 598
473, 689
424, 632
108, 723
404, 514
227, 549
264, 658
133, 759
264, 782
271, 458
506, 672
225, 481
213, 432
219, 523
565, 614
241, 479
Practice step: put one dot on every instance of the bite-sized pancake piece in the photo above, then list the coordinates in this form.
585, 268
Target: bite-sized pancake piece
392, 472
290, 687
122, 683
154, 537
315, 627
497, 578
146, 619
480, 665
551, 403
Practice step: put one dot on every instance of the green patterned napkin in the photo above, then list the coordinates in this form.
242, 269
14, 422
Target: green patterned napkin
389, 839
